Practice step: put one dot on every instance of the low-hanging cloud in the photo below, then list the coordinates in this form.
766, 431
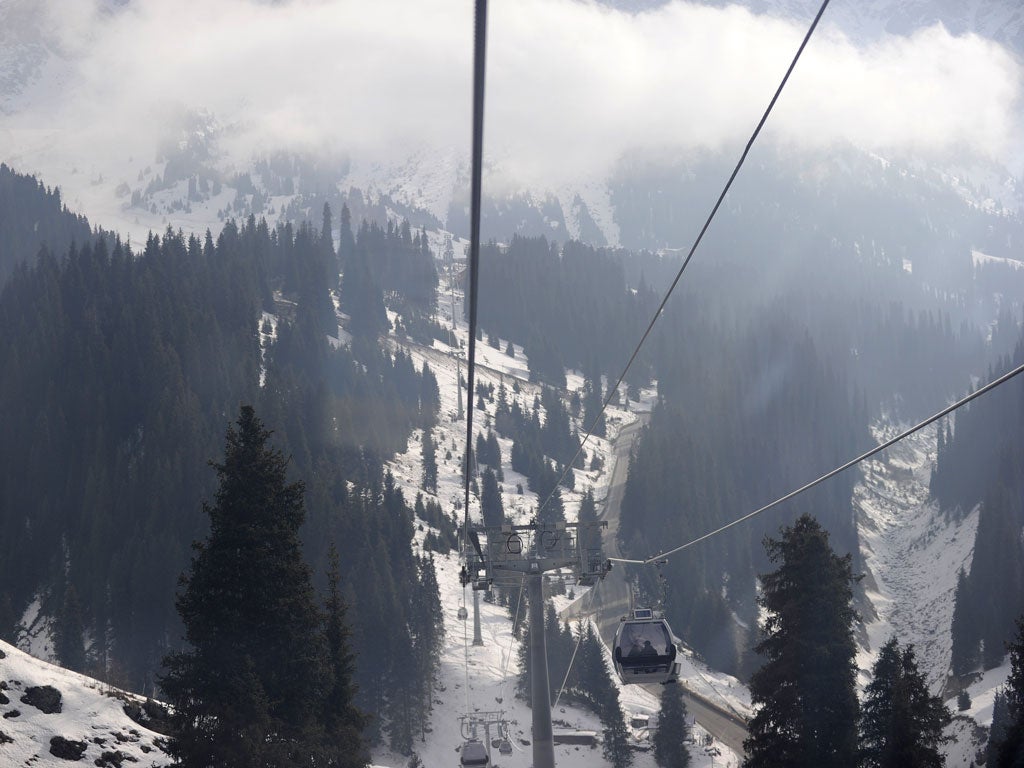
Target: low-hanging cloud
572, 86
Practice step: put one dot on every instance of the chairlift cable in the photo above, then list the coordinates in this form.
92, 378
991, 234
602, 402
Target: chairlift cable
828, 475
613, 391
511, 638
579, 642
479, 61
479, 69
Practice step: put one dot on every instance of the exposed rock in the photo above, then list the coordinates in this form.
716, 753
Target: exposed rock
66, 749
45, 698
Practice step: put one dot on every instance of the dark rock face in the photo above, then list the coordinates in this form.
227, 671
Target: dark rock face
45, 698
66, 749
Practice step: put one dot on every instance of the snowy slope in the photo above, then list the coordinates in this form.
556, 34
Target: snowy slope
92, 713
913, 553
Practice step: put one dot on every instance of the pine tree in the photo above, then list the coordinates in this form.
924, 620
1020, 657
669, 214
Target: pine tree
590, 539
346, 240
8, 621
901, 722
248, 689
327, 239
670, 737
616, 748
69, 645
594, 684
964, 628
1000, 726
805, 691
1010, 751
491, 506
592, 402
343, 722
429, 451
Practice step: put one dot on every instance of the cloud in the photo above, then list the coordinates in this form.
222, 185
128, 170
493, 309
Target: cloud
572, 85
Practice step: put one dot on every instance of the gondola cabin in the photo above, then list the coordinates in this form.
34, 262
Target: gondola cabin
474, 753
644, 649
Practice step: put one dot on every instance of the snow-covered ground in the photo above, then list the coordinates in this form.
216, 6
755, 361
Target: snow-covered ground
913, 553
92, 714
480, 679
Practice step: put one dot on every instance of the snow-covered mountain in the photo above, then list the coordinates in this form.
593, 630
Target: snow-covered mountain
194, 164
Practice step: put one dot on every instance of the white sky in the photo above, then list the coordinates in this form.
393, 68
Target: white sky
571, 85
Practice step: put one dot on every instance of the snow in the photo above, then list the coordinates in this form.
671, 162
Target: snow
978, 258
913, 553
266, 339
92, 712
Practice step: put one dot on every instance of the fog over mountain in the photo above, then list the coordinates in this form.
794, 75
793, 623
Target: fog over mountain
94, 93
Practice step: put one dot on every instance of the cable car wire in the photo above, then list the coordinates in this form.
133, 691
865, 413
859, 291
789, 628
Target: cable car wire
479, 69
579, 642
511, 638
868, 454
479, 72
693, 249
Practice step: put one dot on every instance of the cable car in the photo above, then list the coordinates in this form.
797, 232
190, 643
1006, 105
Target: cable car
474, 753
644, 649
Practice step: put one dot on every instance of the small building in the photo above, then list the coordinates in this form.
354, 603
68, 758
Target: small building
575, 736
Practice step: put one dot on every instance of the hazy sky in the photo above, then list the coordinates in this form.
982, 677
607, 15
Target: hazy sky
572, 85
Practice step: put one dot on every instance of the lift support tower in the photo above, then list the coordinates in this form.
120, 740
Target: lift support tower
509, 554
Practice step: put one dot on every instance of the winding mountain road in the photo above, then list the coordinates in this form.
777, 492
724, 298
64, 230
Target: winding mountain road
612, 598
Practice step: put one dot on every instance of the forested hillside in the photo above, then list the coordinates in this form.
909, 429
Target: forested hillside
569, 307
979, 463
32, 217
119, 372
772, 359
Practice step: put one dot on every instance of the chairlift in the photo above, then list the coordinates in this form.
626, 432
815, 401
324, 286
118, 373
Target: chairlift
644, 649
474, 753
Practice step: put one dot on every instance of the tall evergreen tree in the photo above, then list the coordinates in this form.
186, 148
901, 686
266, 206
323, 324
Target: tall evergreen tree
8, 621
249, 688
346, 240
1000, 726
963, 629
429, 452
901, 723
69, 644
805, 691
491, 506
343, 722
1010, 752
670, 737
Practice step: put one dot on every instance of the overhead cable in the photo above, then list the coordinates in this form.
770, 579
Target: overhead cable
479, 70
868, 454
613, 391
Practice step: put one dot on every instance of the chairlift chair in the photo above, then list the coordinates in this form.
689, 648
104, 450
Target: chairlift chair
644, 649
